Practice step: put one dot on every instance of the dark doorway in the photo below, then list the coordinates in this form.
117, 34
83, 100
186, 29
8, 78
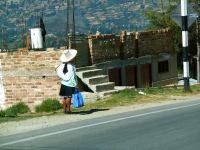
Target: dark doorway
115, 76
131, 75
146, 75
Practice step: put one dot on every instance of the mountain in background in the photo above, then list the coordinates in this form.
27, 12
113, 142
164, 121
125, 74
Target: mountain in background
106, 16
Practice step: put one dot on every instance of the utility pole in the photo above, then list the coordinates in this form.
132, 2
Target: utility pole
67, 26
162, 6
184, 17
73, 26
70, 29
144, 2
23, 26
2, 38
198, 49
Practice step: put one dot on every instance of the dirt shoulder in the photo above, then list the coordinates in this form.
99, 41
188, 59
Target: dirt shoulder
14, 127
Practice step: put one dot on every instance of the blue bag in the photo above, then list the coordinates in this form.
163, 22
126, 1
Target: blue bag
77, 98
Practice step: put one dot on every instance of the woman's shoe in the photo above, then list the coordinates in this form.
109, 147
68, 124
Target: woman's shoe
67, 112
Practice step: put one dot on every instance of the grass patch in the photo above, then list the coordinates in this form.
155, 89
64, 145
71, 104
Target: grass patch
28, 115
2, 113
122, 98
19, 108
49, 105
132, 97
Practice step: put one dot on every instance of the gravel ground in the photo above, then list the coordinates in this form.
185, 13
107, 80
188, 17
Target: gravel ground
9, 128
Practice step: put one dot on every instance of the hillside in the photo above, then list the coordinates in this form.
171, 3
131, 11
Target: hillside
107, 16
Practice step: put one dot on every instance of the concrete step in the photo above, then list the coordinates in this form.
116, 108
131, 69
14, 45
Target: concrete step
104, 86
98, 79
85, 68
92, 73
115, 90
107, 93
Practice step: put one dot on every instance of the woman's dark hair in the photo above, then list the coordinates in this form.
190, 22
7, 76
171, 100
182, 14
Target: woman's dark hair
65, 70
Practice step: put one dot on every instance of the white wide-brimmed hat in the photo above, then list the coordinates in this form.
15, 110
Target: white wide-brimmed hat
68, 55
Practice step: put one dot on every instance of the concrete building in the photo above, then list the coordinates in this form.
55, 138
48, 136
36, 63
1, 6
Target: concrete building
104, 61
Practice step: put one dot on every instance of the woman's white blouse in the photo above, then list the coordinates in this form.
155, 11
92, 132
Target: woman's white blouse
69, 78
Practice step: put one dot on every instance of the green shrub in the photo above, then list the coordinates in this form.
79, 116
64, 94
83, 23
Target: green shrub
48, 105
11, 112
19, 108
2, 113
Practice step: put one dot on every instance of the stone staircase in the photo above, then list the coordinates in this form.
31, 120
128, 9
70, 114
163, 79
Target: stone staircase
96, 80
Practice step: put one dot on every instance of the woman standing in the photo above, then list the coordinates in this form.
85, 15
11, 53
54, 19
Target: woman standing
67, 73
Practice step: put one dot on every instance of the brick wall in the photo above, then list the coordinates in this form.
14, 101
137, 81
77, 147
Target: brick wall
130, 45
31, 90
104, 48
29, 76
30, 61
155, 42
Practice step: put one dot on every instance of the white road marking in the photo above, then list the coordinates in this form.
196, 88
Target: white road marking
92, 125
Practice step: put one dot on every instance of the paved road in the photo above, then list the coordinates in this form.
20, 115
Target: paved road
170, 127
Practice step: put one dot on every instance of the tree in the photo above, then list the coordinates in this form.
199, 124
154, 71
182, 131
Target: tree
162, 20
